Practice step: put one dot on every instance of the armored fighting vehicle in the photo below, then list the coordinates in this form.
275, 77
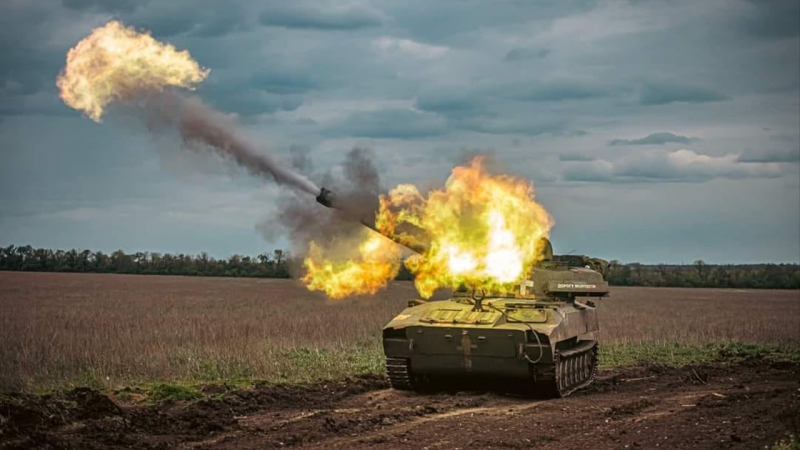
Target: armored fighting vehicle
540, 337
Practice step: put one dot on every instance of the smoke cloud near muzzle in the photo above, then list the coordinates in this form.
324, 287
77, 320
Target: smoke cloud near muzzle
357, 185
345, 257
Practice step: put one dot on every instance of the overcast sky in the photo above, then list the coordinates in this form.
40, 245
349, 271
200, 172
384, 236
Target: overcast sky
654, 131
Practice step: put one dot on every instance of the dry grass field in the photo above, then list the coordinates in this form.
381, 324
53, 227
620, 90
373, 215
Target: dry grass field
61, 330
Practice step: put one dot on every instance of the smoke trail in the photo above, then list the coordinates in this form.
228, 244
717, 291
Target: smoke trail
116, 63
199, 123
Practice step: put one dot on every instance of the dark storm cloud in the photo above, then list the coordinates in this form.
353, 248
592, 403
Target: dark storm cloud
168, 19
111, 6
203, 18
513, 125
575, 157
654, 139
776, 155
677, 166
26, 62
449, 102
29, 63
553, 91
283, 81
392, 123
165, 24
588, 172
773, 19
250, 91
42, 103
524, 54
315, 16
446, 21
662, 94
577, 133
231, 20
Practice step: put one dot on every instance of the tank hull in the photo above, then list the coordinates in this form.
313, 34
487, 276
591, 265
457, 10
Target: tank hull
552, 351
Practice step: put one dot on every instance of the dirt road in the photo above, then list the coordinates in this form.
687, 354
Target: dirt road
743, 407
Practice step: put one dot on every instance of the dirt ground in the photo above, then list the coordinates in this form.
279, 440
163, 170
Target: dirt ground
705, 407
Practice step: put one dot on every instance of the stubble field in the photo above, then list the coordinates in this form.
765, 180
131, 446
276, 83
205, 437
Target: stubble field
107, 331
251, 364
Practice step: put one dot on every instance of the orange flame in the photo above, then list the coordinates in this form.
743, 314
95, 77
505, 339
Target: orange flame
117, 62
481, 230
377, 262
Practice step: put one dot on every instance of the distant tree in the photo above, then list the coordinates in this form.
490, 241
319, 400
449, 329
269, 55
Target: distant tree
101, 263
702, 269
120, 262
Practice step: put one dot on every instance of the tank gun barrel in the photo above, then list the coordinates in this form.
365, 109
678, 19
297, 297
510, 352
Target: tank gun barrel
328, 199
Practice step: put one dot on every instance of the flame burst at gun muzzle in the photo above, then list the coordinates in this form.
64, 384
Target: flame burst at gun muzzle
327, 198
480, 229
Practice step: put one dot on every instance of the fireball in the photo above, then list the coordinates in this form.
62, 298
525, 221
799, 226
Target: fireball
116, 62
377, 261
480, 230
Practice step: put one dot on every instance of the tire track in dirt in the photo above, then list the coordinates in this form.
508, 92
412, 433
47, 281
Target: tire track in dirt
374, 413
742, 411
406, 426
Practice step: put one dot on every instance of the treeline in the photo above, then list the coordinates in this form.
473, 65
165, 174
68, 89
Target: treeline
27, 258
700, 274
276, 265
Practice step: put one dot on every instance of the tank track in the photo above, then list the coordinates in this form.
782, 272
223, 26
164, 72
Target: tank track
575, 368
399, 372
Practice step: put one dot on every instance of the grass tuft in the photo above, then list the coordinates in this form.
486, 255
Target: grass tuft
174, 392
676, 354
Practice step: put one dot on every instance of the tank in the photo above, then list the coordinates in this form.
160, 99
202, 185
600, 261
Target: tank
540, 338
